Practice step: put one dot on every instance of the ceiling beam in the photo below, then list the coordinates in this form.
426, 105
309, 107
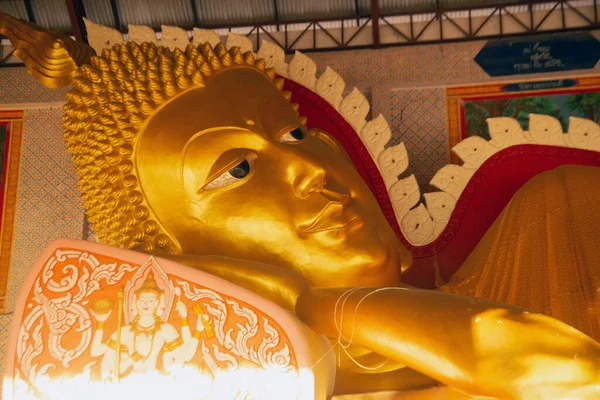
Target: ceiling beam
115, 12
194, 11
375, 22
276, 13
76, 14
29, 9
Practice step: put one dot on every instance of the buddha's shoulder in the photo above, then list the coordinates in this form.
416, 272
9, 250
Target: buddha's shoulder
166, 327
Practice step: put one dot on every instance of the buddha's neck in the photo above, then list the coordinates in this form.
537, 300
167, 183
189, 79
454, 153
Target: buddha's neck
146, 321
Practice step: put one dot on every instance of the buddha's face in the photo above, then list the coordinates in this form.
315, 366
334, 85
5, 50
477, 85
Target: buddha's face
229, 170
146, 304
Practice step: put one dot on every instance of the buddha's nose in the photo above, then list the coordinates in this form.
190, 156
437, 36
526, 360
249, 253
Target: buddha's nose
310, 178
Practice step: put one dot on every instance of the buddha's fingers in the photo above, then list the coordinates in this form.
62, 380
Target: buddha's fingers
479, 347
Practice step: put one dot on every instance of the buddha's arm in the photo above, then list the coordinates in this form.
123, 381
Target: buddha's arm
98, 348
173, 349
479, 347
276, 284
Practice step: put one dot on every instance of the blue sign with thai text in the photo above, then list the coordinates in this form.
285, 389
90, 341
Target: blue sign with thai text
548, 53
542, 85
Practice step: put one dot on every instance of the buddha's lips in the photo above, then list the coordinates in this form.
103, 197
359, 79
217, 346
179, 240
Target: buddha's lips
332, 217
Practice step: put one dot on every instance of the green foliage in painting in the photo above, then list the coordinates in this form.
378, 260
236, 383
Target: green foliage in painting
586, 105
561, 107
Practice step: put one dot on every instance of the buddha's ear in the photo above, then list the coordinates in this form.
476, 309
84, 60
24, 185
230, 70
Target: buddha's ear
49, 57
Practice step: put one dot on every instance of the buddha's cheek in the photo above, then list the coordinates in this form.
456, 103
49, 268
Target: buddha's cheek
267, 237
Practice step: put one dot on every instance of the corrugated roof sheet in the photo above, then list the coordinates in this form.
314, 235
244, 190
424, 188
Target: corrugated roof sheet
99, 11
52, 14
155, 13
387, 7
309, 9
16, 8
223, 12
471, 3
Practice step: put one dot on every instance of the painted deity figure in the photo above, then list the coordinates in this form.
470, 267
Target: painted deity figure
200, 157
147, 337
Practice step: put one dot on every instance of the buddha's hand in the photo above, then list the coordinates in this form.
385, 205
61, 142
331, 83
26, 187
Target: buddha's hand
181, 309
200, 321
100, 317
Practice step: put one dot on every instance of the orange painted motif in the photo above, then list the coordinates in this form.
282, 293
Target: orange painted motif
85, 308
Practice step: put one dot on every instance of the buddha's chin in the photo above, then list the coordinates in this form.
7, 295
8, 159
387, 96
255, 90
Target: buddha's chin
361, 258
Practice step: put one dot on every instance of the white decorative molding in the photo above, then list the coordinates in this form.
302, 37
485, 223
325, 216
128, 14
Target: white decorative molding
474, 151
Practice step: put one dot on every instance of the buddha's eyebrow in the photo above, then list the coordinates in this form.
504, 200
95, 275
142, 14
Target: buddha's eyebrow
191, 140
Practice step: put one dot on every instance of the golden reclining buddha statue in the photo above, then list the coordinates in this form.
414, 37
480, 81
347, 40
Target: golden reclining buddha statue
199, 157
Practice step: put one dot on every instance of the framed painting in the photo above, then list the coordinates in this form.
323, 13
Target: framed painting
468, 107
11, 133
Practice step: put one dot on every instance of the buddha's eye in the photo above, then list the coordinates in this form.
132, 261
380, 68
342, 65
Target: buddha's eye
294, 135
235, 174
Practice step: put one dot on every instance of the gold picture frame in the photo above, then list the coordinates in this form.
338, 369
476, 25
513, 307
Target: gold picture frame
11, 127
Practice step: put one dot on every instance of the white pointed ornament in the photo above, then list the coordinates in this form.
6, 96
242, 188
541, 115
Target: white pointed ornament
417, 226
303, 70
375, 135
544, 129
201, 36
102, 37
392, 162
355, 108
274, 57
583, 134
141, 34
330, 86
505, 132
404, 195
474, 151
243, 42
452, 179
174, 38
